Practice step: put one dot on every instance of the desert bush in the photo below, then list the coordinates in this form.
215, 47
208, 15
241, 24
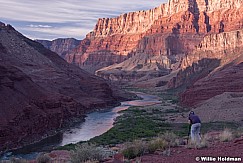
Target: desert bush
203, 143
134, 149
157, 144
209, 137
43, 158
87, 152
171, 138
226, 135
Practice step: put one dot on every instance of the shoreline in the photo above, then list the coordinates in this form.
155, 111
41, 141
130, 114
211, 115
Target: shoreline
67, 125
52, 133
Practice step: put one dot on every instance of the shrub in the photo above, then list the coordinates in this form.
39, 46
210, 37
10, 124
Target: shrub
226, 135
171, 138
157, 143
43, 158
209, 137
202, 144
86, 152
134, 149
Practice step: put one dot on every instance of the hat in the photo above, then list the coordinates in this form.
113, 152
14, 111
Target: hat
191, 113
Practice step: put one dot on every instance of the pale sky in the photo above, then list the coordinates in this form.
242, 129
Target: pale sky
51, 19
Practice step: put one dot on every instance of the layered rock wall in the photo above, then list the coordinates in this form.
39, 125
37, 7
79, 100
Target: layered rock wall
170, 29
223, 46
141, 21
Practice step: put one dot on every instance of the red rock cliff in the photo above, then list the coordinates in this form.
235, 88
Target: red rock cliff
170, 29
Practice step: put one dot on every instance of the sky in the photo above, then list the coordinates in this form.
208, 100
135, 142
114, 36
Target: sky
51, 19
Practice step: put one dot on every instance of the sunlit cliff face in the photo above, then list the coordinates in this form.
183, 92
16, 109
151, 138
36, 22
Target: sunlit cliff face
69, 18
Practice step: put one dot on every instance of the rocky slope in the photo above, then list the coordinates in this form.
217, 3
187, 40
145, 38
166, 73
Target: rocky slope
61, 45
209, 67
136, 67
40, 92
226, 79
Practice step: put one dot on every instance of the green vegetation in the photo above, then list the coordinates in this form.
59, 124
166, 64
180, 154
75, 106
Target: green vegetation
130, 129
141, 122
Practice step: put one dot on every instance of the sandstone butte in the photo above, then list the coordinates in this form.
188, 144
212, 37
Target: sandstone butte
40, 92
202, 39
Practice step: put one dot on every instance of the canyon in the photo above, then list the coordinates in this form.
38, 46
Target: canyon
198, 41
171, 29
40, 92
191, 47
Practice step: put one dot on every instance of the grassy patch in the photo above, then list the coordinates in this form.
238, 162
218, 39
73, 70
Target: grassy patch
130, 129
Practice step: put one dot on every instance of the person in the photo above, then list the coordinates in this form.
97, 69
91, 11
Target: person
195, 123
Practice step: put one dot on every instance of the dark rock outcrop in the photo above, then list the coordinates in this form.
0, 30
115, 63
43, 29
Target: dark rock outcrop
40, 91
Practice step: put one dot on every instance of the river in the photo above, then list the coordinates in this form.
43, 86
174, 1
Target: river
96, 123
